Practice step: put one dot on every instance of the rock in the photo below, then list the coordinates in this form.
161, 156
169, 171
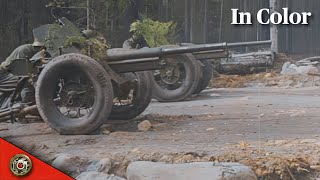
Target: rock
97, 176
204, 171
136, 151
210, 129
144, 126
309, 61
292, 69
70, 164
268, 75
289, 69
106, 129
317, 168
104, 165
307, 69
298, 114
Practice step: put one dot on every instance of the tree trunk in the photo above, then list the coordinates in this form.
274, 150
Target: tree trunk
186, 20
274, 28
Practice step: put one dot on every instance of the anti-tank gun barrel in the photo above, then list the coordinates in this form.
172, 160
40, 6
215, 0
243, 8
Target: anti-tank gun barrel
120, 54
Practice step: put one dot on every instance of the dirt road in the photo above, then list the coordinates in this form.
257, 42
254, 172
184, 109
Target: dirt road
261, 127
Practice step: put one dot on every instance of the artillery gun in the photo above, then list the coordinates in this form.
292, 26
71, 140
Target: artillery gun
75, 93
187, 74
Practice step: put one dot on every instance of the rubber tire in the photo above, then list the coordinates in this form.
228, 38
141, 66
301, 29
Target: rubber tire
192, 69
45, 91
207, 73
143, 99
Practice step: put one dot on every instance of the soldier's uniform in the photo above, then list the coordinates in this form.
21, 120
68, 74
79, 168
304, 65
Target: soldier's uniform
21, 52
8, 81
136, 41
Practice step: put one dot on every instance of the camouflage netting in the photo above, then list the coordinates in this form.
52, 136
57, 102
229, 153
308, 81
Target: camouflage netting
70, 38
95, 47
156, 33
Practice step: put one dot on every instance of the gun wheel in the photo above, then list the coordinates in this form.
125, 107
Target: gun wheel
207, 73
133, 97
178, 79
72, 92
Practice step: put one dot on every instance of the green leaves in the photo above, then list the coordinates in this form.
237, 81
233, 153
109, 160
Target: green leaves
156, 33
56, 3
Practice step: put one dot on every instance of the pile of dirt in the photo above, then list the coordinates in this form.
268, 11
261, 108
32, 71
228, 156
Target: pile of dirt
239, 81
293, 81
273, 78
281, 168
266, 79
229, 81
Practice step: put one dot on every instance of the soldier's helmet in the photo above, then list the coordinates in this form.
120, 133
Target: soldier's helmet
133, 27
37, 43
88, 33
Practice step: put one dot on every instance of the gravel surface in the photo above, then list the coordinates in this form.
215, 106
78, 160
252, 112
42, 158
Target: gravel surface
273, 130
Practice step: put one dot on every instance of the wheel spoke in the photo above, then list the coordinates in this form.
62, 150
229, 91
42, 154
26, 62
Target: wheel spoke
71, 101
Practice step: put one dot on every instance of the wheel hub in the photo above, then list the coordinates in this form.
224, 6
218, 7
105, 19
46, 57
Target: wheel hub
171, 74
72, 95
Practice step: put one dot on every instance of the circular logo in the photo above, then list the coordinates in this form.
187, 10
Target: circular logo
20, 165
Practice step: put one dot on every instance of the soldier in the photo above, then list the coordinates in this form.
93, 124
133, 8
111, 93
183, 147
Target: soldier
136, 41
24, 51
8, 81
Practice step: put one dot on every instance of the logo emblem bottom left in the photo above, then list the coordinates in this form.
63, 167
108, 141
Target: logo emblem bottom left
20, 165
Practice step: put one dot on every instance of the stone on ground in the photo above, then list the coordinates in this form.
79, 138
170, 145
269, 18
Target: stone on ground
144, 126
97, 176
305, 70
292, 69
103, 165
268, 75
289, 69
205, 171
70, 164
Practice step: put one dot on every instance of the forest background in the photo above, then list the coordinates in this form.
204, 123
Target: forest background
205, 21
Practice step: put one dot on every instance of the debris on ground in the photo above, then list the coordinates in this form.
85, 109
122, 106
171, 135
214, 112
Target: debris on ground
240, 81
310, 61
145, 126
70, 164
295, 74
266, 80
265, 165
106, 129
246, 63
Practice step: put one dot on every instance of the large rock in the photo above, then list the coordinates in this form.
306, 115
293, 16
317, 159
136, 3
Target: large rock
103, 165
289, 69
307, 69
97, 176
71, 164
292, 69
204, 171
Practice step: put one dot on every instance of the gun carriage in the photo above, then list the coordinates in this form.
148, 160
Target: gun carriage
75, 93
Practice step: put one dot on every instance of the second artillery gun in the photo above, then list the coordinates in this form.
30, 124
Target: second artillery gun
76, 93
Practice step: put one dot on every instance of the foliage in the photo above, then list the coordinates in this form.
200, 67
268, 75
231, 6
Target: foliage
107, 17
79, 42
114, 5
154, 32
56, 3
54, 28
97, 45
